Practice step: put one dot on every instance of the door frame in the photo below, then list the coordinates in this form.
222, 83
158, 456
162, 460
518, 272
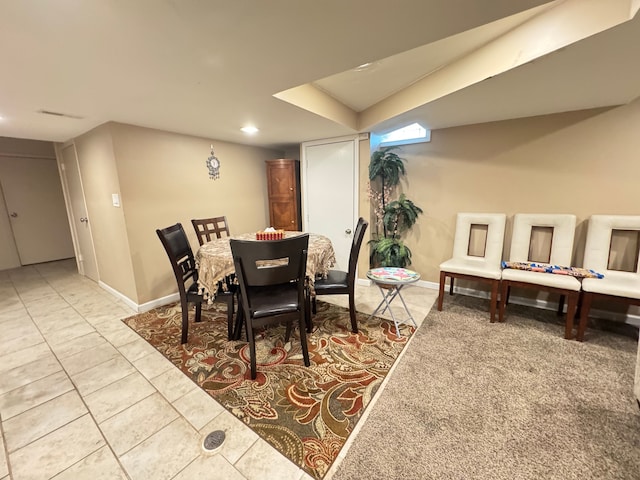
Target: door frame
69, 204
355, 139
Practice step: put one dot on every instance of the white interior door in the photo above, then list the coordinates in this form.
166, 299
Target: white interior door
8, 251
35, 203
330, 192
85, 253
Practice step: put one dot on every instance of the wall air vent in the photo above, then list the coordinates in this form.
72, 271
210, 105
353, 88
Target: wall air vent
59, 114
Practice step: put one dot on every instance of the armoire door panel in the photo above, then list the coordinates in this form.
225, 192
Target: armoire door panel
283, 182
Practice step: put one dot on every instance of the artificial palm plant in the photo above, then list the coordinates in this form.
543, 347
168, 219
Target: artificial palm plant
395, 217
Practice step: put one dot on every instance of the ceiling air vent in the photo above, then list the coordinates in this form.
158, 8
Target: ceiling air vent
58, 114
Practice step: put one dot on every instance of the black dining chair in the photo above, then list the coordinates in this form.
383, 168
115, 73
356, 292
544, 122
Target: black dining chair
273, 289
343, 283
176, 244
207, 227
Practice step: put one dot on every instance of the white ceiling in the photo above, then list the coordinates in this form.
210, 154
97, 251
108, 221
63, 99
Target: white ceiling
207, 68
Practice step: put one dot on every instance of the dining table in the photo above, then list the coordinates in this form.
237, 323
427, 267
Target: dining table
215, 261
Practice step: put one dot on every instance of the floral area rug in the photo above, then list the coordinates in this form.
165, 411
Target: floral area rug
306, 413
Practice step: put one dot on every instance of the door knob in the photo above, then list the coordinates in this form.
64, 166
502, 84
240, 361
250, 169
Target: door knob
83, 220
348, 231
14, 214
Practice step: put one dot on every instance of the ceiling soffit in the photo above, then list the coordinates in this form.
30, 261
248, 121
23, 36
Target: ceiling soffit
398, 84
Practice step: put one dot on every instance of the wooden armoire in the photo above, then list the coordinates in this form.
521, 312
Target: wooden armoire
283, 181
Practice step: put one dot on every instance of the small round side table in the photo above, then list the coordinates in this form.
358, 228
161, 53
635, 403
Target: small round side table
392, 279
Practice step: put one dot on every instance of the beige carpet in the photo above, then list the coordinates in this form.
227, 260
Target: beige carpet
474, 400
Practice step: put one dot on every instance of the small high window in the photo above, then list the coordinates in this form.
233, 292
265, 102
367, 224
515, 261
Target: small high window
414, 133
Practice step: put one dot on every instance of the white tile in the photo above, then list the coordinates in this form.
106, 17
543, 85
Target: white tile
136, 349
46, 305
238, 437
35, 393
69, 333
14, 314
37, 293
51, 454
79, 344
23, 357
153, 364
100, 465
16, 328
263, 461
10, 303
198, 407
204, 466
102, 375
4, 466
30, 372
51, 320
11, 345
118, 396
112, 314
43, 419
133, 425
173, 384
89, 358
164, 454
116, 332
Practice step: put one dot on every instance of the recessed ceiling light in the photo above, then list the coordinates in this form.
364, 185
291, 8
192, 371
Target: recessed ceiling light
249, 129
366, 66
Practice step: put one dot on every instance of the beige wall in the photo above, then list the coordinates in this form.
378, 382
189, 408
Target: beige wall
364, 204
163, 179
108, 227
582, 163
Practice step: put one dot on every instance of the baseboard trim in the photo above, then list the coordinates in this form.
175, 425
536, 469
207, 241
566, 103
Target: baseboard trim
629, 318
159, 302
145, 307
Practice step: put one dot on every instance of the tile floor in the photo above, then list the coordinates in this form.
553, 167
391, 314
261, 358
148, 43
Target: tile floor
83, 397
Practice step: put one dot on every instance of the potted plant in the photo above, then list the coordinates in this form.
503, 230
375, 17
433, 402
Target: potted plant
395, 217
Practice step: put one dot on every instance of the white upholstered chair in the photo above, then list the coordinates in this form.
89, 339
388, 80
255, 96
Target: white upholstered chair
617, 285
562, 234
469, 265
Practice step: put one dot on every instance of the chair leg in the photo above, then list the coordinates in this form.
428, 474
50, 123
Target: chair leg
561, 304
307, 310
443, 277
287, 334
504, 295
198, 311
252, 348
494, 300
572, 305
587, 297
185, 321
451, 286
352, 311
303, 341
237, 333
230, 308
313, 305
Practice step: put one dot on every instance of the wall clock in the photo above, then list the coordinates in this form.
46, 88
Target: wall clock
213, 164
